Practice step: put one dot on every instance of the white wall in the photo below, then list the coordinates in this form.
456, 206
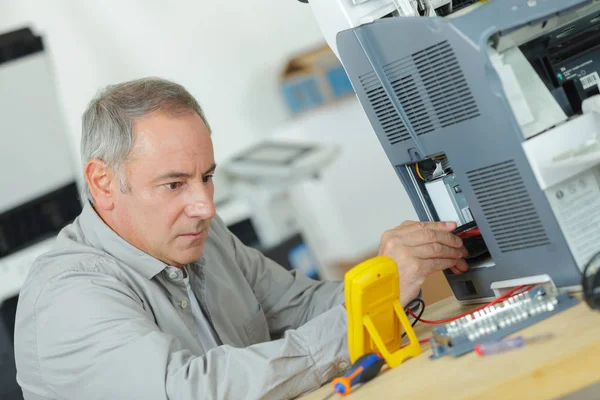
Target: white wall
227, 53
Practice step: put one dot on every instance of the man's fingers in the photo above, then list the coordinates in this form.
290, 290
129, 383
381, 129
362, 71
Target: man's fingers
465, 252
411, 226
437, 250
426, 236
437, 264
407, 223
413, 233
461, 265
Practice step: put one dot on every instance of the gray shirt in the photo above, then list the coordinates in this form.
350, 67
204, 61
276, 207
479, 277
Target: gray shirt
99, 319
206, 334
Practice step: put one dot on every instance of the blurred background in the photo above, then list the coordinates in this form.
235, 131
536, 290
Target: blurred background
301, 174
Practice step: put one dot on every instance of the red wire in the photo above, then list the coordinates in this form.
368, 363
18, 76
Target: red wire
469, 233
506, 295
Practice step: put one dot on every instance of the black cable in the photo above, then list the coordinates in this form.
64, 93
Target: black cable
465, 227
420, 313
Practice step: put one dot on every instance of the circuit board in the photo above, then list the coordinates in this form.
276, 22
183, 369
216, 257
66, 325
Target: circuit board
497, 321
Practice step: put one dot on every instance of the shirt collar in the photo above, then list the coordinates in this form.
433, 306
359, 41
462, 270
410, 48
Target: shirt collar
102, 237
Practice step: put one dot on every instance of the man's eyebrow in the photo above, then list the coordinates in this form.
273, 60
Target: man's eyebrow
210, 170
180, 175
172, 175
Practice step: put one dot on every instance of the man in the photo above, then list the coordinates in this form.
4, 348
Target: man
147, 295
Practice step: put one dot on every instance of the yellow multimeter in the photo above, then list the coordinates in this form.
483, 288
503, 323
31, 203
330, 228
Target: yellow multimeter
376, 319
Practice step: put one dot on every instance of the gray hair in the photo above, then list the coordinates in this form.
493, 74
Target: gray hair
107, 123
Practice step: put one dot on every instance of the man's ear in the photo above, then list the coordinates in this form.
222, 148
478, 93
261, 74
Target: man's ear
99, 178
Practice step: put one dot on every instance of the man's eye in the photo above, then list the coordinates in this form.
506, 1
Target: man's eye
207, 178
173, 185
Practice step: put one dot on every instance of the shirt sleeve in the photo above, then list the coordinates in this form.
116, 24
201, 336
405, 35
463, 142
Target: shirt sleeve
289, 299
95, 340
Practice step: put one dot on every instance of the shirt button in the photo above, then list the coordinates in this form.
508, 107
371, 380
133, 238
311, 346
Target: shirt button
173, 275
183, 304
343, 366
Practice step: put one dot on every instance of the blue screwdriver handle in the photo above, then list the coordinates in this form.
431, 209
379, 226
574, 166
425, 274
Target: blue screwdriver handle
365, 368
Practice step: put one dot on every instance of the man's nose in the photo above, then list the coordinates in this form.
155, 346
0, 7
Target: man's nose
200, 204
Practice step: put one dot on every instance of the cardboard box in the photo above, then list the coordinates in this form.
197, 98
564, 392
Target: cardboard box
314, 78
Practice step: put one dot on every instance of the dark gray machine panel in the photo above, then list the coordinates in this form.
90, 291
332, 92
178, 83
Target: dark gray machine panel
446, 98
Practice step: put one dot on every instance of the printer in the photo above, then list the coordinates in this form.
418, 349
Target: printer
490, 116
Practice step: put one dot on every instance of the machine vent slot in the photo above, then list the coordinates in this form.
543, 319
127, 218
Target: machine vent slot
431, 87
445, 84
389, 119
506, 204
412, 94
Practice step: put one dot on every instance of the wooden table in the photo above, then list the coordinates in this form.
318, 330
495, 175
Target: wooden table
567, 363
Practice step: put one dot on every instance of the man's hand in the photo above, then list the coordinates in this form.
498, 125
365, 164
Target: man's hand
420, 249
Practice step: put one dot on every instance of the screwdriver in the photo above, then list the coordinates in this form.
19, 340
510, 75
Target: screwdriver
365, 368
484, 349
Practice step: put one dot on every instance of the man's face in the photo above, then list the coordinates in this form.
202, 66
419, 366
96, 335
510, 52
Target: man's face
167, 209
